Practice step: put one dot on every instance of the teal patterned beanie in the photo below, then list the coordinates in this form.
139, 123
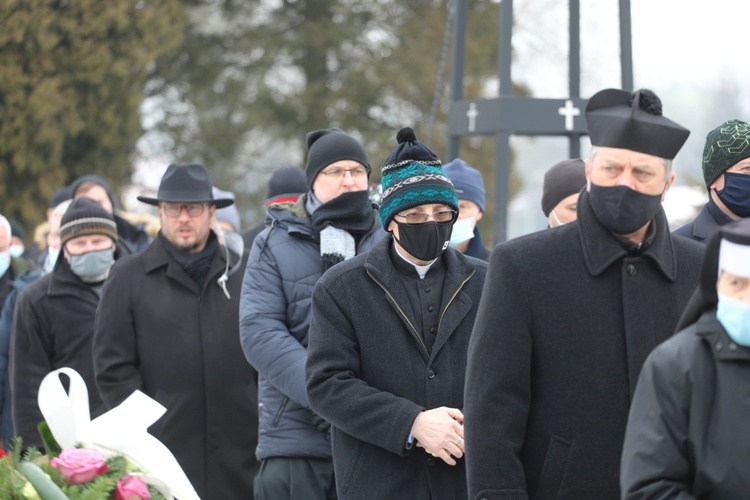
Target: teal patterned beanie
725, 145
412, 176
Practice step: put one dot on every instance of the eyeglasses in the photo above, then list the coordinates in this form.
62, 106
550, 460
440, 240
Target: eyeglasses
339, 173
192, 209
422, 217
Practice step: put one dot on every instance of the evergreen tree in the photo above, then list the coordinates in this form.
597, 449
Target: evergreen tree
72, 75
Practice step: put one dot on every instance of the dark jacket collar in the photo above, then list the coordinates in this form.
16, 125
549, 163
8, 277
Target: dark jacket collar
156, 257
721, 344
476, 246
708, 219
458, 269
601, 249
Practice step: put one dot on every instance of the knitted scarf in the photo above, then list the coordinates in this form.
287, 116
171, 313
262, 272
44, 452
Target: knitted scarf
339, 224
196, 265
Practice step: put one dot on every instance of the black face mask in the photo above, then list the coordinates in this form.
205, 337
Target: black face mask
424, 241
623, 210
736, 193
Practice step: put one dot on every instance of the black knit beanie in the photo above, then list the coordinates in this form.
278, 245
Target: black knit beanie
85, 216
329, 146
725, 145
560, 181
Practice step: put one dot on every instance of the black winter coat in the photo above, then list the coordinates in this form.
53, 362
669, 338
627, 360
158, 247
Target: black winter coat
566, 321
687, 431
369, 374
157, 331
53, 327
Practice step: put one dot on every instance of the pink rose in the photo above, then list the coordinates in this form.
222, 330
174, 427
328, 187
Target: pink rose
131, 487
79, 465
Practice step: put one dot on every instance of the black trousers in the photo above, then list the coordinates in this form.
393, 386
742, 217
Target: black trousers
283, 478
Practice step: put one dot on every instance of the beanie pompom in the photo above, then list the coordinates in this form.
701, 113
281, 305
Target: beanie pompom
406, 134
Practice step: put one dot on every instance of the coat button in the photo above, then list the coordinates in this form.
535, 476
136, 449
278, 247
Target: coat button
631, 270
430, 461
430, 309
732, 346
430, 373
432, 330
718, 346
426, 290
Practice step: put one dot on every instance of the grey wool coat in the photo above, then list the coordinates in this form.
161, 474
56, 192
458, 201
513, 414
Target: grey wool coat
369, 374
566, 321
156, 330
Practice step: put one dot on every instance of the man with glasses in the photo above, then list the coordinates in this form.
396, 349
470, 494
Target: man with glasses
167, 324
330, 223
388, 342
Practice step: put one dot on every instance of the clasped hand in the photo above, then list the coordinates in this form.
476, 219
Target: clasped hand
440, 432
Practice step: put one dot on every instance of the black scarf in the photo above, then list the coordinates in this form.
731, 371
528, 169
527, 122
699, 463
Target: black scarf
339, 225
196, 265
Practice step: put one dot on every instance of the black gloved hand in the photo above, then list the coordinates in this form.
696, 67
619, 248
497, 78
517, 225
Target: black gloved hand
319, 423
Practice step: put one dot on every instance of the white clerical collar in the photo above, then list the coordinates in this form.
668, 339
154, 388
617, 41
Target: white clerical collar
421, 270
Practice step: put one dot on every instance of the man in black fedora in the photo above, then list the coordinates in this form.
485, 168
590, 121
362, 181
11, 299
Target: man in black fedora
167, 324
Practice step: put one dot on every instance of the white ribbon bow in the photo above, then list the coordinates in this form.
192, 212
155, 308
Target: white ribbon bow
120, 431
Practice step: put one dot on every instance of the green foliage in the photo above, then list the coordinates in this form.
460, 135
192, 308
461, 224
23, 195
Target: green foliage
51, 445
264, 73
71, 80
11, 481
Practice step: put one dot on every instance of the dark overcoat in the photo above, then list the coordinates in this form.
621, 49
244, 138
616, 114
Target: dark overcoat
566, 321
687, 431
708, 220
157, 331
369, 374
53, 327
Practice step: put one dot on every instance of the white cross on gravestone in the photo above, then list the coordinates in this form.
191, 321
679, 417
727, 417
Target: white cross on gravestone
472, 114
569, 111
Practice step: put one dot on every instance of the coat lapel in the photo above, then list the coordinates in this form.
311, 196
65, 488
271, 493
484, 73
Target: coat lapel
381, 270
455, 304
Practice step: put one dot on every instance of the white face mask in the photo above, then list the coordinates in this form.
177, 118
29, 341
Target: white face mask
16, 250
557, 220
49, 262
4, 262
463, 230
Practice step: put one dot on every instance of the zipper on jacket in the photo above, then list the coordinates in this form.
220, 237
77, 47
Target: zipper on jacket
416, 333
454, 296
277, 417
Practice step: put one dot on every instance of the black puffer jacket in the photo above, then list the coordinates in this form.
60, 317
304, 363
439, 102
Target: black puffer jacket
687, 431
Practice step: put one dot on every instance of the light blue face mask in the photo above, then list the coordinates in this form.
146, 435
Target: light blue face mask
4, 262
93, 266
734, 316
463, 230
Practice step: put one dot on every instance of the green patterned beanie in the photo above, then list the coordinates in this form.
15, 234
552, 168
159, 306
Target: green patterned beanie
412, 176
725, 145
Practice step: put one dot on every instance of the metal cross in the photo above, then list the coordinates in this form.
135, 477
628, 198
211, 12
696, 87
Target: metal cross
472, 114
569, 111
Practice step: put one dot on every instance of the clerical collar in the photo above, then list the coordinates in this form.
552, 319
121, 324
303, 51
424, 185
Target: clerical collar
421, 270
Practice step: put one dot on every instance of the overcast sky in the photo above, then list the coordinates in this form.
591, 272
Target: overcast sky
691, 53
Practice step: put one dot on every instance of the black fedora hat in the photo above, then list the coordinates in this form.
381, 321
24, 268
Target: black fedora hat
186, 184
